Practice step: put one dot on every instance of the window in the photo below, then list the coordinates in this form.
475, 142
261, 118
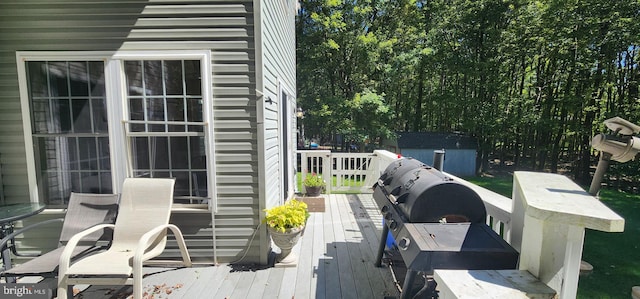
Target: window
165, 124
69, 128
83, 112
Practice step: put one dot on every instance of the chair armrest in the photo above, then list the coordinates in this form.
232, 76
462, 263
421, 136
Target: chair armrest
65, 257
11, 236
145, 244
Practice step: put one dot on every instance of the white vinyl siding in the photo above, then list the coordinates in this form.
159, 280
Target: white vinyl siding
278, 74
226, 28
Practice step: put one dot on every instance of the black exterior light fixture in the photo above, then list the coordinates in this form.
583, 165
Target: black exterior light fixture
300, 116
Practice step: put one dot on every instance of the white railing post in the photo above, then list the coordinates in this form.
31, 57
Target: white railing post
550, 214
327, 169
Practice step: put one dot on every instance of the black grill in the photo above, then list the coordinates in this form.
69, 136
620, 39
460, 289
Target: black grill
437, 222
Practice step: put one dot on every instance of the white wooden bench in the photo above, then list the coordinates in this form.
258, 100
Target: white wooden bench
549, 216
488, 284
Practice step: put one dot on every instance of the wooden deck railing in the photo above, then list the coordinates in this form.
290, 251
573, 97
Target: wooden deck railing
357, 172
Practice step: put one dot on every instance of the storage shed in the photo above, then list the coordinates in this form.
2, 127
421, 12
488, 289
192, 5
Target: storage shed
460, 150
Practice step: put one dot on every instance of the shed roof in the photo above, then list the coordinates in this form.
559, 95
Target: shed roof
435, 140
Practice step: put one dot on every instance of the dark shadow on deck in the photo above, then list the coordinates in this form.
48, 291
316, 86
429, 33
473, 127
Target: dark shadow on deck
348, 268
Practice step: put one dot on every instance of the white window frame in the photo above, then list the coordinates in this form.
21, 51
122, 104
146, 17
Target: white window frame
291, 124
115, 93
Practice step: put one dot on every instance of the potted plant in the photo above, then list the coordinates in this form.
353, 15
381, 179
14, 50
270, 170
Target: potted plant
313, 184
285, 224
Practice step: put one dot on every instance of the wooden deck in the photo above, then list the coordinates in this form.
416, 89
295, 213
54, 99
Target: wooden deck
336, 260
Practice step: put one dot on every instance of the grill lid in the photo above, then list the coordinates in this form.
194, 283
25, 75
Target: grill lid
424, 194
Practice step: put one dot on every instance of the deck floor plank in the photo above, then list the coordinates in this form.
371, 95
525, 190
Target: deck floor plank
347, 279
204, 279
371, 273
329, 264
274, 282
336, 260
243, 286
305, 261
317, 285
354, 243
370, 223
259, 284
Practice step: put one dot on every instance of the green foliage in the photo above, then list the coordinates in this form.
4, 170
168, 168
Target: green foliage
313, 180
292, 214
533, 80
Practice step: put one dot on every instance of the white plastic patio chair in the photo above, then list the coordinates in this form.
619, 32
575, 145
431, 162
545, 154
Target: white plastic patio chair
139, 234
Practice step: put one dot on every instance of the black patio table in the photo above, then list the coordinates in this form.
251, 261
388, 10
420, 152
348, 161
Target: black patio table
8, 215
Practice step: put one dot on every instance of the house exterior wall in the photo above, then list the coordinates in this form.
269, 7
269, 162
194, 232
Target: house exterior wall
459, 162
227, 29
279, 71
276, 80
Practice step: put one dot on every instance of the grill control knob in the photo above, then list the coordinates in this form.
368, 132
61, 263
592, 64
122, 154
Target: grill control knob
393, 225
403, 244
385, 209
388, 216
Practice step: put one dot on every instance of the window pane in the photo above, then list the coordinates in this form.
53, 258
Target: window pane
81, 111
100, 121
198, 153
140, 152
88, 155
160, 174
136, 112
71, 147
192, 77
59, 79
194, 110
173, 77
133, 71
159, 148
38, 85
103, 153
155, 109
179, 153
199, 184
62, 109
155, 112
182, 187
78, 78
40, 115
175, 109
177, 128
96, 77
141, 174
50, 116
153, 77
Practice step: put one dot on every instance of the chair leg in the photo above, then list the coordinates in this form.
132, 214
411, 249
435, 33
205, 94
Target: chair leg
63, 288
137, 281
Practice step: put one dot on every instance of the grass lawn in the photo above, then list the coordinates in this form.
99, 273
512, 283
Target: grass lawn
615, 256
